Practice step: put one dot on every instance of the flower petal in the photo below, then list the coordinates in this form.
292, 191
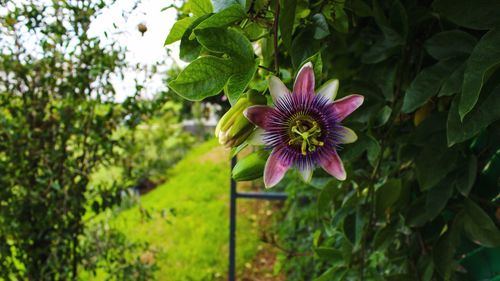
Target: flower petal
257, 137
258, 114
333, 165
277, 88
348, 135
329, 89
306, 173
304, 83
345, 106
275, 169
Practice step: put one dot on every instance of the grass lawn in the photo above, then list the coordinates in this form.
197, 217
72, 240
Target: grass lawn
191, 241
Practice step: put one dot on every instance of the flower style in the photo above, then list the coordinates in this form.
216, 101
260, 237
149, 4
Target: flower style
303, 128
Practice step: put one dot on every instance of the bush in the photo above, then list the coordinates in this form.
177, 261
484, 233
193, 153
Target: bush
422, 185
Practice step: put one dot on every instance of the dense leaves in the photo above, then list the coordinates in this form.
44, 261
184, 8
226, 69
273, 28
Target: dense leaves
422, 186
58, 124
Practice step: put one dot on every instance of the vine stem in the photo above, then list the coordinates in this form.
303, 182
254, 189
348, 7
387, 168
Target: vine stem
275, 34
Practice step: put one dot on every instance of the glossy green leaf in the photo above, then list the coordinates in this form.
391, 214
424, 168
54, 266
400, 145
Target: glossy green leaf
220, 5
200, 7
320, 26
329, 253
449, 44
239, 80
484, 59
178, 29
431, 204
453, 84
444, 250
479, 227
227, 41
326, 197
202, 78
286, 21
339, 19
486, 112
241, 55
382, 116
477, 14
190, 48
386, 196
303, 47
435, 161
466, 175
427, 84
224, 18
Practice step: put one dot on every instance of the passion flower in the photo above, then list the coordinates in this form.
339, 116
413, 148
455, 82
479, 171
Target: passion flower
303, 129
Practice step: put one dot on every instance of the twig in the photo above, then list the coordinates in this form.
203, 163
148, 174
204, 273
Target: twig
275, 29
266, 68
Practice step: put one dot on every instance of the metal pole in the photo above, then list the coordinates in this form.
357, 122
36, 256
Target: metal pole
262, 195
232, 227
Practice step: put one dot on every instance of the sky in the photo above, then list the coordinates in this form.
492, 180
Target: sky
144, 49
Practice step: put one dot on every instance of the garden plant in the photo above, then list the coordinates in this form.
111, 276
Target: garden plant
405, 128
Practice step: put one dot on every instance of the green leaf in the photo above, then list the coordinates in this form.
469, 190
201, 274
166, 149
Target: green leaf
435, 161
359, 8
220, 5
398, 18
340, 21
373, 150
224, 18
303, 46
202, 78
329, 253
423, 211
382, 116
239, 80
200, 7
448, 44
466, 175
286, 21
333, 274
190, 48
178, 30
381, 50
386, 196
444, 250
326, 197
427, 84
486, 112
240, 51
227, 41
479, 227
484, 59
477, 14
453, 84
320, 26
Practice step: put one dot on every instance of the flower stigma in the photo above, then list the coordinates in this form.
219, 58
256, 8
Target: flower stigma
305, 133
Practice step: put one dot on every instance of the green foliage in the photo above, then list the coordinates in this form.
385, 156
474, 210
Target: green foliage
426, 161
58, 124
184, 221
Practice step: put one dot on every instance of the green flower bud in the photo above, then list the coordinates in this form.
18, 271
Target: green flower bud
233, 127
250, 167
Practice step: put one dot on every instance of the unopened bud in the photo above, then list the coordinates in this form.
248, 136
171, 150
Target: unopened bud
233, 127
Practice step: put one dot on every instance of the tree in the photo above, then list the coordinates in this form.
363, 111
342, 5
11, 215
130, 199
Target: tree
56, 124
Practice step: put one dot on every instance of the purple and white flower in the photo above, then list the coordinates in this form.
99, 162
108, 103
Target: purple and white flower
303, 128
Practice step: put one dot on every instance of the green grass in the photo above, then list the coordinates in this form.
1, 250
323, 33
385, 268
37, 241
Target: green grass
193, 243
